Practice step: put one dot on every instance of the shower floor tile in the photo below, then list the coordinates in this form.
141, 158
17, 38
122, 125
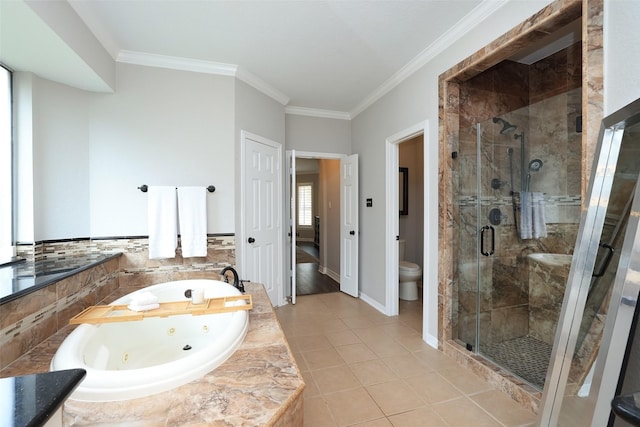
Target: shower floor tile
526, 357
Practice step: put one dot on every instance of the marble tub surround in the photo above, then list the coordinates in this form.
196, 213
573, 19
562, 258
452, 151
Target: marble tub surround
20, 279
30, 319
259, 385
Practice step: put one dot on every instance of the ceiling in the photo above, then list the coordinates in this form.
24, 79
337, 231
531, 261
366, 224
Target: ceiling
324, 55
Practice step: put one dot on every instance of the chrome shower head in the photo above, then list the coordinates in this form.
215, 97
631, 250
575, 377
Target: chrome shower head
506, 126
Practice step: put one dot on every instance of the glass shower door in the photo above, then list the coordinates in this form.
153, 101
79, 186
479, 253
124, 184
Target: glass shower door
502, 298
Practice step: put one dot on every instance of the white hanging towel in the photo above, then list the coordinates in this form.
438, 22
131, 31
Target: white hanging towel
526, 224
192, 208
538, 218
163, 222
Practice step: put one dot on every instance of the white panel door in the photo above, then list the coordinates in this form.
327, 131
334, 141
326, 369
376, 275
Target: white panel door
349, 225
261, 197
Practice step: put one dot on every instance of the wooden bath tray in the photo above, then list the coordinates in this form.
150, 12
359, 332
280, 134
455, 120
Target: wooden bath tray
97, 314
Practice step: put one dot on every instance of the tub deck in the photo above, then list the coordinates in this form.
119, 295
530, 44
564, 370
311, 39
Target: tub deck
259, 385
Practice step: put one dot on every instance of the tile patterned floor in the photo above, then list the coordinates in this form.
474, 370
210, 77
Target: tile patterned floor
366, 369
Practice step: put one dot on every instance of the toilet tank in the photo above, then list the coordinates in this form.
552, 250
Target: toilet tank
401, 244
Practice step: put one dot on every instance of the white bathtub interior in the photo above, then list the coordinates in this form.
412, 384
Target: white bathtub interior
128, 360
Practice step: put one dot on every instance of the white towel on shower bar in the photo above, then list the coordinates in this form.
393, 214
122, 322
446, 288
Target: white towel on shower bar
162, 214
526, 222
192, 214
538, 217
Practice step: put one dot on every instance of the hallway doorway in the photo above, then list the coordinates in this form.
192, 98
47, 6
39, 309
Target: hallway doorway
317, 227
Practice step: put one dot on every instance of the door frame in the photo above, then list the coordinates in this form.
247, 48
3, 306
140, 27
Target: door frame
430, 238
241, 238
286, 261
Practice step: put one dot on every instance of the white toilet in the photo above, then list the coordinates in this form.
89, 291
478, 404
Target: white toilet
409, 274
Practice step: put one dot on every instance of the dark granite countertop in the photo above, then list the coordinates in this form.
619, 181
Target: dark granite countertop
627, 407
19, 279
30, 400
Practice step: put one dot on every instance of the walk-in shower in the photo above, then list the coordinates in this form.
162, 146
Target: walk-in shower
514, 208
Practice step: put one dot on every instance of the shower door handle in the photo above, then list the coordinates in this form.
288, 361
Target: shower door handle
493, 240
607, 260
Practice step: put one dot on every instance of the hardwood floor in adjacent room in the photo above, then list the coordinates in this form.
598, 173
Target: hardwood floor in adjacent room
309, 280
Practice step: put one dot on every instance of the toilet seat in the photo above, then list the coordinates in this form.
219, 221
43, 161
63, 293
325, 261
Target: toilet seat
408, 266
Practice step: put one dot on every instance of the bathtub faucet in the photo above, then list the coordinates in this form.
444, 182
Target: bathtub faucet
236, 280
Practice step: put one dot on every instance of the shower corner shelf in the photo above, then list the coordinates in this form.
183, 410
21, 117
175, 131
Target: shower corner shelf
99, 314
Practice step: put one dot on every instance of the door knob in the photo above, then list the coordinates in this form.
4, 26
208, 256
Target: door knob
251, 240
353, 233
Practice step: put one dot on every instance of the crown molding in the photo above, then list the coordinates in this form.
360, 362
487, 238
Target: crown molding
469, 21
176, 63
200, 66
316, 112
259, 84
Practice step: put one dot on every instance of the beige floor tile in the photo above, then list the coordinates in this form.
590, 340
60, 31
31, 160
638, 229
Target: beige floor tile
406, 365
412, 342
435, 359
324, 358
372, 372
328, 335
380, 422
342, 338
397, 329
421, 417
358, 322
465, 380
334, 325
370, 335
432, 388
337, 378
387, 347
352, 353
353, 406
394, 397
310, 386
502, 407
317, 413
302, 364
310, 342
463, 412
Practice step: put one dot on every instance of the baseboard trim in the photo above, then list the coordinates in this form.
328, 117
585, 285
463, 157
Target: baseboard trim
373, 303
431, 340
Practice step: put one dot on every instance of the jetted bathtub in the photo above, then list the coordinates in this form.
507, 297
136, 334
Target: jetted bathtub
127, 360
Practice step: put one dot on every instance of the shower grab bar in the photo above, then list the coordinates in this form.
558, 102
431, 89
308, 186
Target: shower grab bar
144, 188
493, 240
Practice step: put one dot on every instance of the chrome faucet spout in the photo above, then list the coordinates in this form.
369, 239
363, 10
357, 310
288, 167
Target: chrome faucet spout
236, 279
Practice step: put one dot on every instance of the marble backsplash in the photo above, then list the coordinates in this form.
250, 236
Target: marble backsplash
29, 320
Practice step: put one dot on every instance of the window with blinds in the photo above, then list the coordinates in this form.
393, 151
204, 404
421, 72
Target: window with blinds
305, 204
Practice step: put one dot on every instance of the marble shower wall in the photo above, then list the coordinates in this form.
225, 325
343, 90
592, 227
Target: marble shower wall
543, 100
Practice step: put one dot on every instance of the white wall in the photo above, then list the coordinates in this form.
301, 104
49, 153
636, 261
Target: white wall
621, 53
161, 127
60, 161
318, 134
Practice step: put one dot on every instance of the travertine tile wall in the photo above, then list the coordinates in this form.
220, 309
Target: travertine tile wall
553, 17
544, 105
29, 320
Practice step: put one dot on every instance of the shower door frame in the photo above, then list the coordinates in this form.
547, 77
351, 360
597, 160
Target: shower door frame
625, 293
